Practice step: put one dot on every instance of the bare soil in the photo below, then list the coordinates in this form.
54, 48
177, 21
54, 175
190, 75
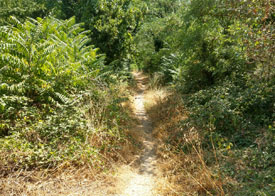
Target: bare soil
141, 179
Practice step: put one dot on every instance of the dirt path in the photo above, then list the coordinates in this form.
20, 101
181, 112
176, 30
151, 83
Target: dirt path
141, 181
141, 175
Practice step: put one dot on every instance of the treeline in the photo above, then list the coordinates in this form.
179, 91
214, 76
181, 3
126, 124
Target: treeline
219, 55
112, 24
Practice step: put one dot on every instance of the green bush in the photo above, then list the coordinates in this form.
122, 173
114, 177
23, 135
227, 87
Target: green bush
219, 55
54, 97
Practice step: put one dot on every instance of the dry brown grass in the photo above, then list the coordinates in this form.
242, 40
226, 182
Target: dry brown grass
71, 181
187, 173
180, 173
68, 179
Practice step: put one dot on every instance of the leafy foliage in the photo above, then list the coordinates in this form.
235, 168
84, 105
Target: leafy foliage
55, 105
152, 40
219, 55
48, 74
112, 25
21, 9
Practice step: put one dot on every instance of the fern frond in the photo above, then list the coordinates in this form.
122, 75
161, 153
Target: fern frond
62, 98
48, 50
5, 32
56, 39
19, 44
12, 60
70, 22
75, 30
16, 22
6, 46
82, 41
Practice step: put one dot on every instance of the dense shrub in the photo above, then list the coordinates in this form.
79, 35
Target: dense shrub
219, 55
54, 96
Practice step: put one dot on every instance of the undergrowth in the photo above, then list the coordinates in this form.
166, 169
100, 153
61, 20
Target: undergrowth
60, 105
217, 58
199, 160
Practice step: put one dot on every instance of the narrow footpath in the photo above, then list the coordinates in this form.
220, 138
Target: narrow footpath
141, 180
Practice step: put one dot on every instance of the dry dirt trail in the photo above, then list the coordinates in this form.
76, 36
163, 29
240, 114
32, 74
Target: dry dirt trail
141, 181
141, 176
